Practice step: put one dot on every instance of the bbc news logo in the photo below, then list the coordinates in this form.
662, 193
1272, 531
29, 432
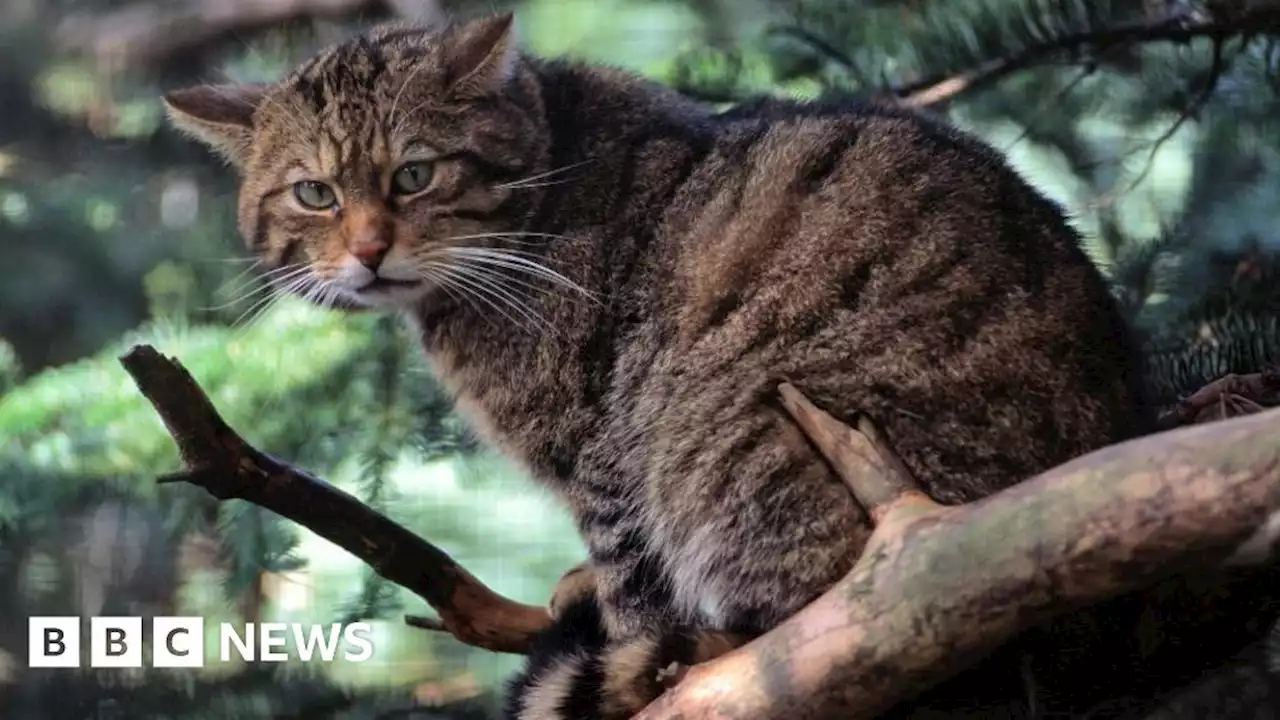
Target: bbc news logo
177, 642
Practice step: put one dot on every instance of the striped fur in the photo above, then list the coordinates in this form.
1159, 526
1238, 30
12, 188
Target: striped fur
671, 266
574, 671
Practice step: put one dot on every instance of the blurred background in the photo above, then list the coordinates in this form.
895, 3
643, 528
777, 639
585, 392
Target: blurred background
1154, 122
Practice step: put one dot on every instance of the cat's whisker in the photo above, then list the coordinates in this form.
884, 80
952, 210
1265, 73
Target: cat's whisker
268, 275
532, 185
239, 298
326, 296
271, 273
400, 125
506, 259
298, 283
508, 235
334, 294
313, 291
496, 282
442, 276
550, 278
488, 264
428, 259
496, 291
506, 277
272, 276
450, 288
482, 293
391, 115
240, 279
251, 314
510, 251
532, 180
257, 310
299, 286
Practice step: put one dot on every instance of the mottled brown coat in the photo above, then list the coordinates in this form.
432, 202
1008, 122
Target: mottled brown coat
880, 261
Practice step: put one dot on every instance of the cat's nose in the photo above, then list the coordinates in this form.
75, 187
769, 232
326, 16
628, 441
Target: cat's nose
368, 235
370, 254
369, 246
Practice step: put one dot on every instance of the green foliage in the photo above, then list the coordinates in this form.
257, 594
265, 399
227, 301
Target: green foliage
120, 233
347, 397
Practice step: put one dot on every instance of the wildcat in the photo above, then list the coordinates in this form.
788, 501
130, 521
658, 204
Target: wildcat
611, 280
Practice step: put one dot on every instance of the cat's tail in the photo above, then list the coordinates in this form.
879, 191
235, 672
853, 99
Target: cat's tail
575, 673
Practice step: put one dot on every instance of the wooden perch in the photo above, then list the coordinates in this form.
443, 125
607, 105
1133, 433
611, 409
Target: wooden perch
937, 586
223, 463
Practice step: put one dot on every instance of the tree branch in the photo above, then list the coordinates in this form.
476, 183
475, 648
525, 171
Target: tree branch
937, 89
937, 586
220, 461
1225, 397
147, 34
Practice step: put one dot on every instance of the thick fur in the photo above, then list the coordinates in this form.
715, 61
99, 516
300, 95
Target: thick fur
575, 671
881, 261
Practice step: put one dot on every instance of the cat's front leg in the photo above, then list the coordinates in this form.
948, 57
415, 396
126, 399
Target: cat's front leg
631, 586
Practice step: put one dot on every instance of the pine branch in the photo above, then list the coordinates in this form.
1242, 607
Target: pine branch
1089, 45
1226, 397
938, 585
225, 465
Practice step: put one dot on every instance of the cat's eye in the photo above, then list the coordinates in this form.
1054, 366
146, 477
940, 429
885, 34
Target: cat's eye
314, 195
411, 178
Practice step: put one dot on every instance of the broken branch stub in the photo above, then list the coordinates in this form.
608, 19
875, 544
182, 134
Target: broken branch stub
862, 458
934, 589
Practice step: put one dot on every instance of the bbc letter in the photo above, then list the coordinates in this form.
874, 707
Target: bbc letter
53, 642
177, 642
115, 642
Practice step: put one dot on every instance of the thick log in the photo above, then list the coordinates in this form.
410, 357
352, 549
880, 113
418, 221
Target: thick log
938, 586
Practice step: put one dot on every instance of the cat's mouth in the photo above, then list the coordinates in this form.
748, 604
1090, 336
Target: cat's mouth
381, 284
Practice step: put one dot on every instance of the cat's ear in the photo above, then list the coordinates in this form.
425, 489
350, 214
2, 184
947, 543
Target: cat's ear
220, 116
483, 56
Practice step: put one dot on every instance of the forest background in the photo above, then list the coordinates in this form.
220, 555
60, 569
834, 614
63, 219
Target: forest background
1162, 142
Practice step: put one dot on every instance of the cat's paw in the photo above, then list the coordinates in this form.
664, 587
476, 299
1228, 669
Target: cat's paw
576, 585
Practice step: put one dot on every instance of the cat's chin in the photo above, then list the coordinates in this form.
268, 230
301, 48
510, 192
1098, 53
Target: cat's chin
382, 296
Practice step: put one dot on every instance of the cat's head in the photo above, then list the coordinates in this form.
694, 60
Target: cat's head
377, 164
